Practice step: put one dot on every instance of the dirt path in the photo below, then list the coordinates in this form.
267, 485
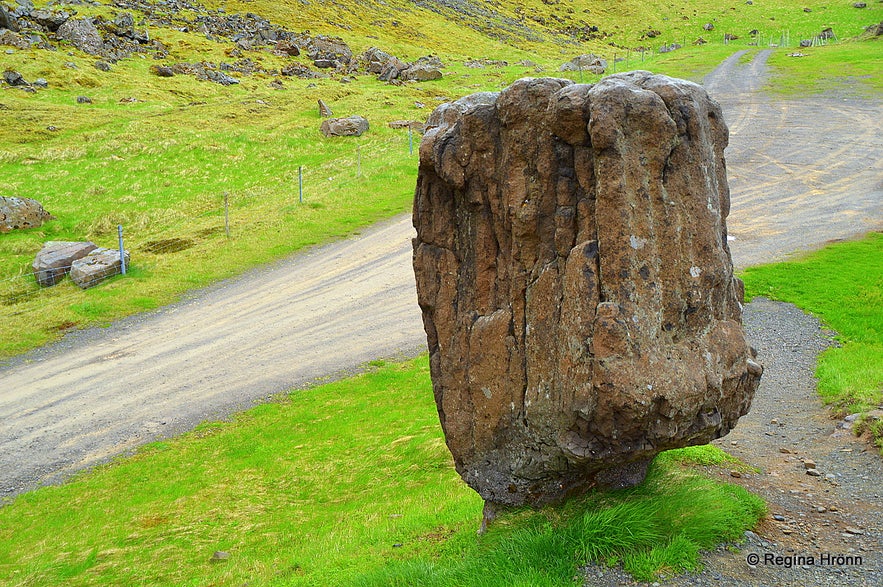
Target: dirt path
102, 392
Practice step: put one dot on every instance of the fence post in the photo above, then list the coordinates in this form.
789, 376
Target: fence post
300, 184
122, 250
410, 141
227, 214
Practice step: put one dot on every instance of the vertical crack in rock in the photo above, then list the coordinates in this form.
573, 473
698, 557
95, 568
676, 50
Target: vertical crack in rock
575, 281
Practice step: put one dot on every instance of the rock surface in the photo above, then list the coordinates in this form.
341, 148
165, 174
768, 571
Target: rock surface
55, 259
590, 63
575, 281
351, 126
82, 34
17, 213
96, 267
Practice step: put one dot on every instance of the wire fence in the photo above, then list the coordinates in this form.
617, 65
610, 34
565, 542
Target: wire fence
311, 180
145, 246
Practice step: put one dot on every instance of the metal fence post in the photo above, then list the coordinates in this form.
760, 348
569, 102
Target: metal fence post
122, 250
300, 184
227, 214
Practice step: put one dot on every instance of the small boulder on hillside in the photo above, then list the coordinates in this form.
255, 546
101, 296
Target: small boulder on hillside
324, 110
375, 59
421, 72
162, 71
588, 62
54, 260
7, 21
50, 19
82, 34
11, 39
351, 126
18, 213
14, 78
96, 267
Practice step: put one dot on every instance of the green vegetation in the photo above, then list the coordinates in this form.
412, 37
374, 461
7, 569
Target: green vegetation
157, 154
843, 285
349, 483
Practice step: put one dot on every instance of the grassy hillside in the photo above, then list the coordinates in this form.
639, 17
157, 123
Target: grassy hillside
157, 154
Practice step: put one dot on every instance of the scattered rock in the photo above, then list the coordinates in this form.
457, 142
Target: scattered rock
21, 213
392, 69
220, 556
568, 343
875, 30
97, 266
332, 50
102, 66
7, 21
287, 48
588, 62
730, 37
813, 472
324, 110
735, 473
351, 126
14, 78
301, 71
414, 125
421, 72
84, 100
54, 260
12, 39
375, 59
82, 34
50, 19
41, 83
778, 517
162, 70
860, 5
708, 26
669, 48
809, 464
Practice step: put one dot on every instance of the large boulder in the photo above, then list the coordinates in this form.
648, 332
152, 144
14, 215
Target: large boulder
82, 34
575, 281
55, 259
17, 213
351, 126
96, 267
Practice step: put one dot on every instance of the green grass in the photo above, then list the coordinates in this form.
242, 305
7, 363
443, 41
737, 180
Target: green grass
843, 285
349, 483
159, 165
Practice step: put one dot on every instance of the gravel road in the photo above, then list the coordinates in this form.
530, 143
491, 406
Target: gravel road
802, 172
